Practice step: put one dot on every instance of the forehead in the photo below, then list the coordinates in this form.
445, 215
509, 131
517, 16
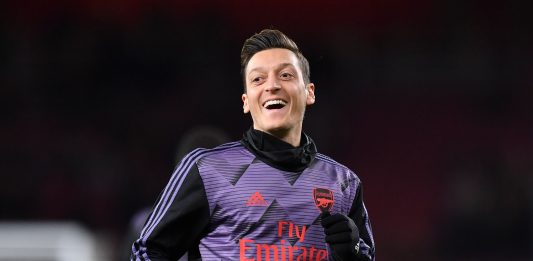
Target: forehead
272, 58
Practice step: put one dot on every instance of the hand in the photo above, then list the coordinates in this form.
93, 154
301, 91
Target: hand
342, 235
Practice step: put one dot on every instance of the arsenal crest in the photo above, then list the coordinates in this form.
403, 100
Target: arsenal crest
323, 199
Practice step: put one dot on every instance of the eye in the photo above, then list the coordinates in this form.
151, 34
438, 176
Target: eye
286, 76
257, 79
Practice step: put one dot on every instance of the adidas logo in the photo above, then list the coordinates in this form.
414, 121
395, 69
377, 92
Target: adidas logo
256, 200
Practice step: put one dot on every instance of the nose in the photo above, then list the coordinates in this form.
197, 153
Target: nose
273, 84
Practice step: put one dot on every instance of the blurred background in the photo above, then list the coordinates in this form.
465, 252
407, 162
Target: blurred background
429, 102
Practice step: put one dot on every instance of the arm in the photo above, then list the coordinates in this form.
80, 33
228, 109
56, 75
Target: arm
178, 219
359, 215
350, 237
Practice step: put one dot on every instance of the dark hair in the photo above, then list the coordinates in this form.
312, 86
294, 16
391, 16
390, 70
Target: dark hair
269, 39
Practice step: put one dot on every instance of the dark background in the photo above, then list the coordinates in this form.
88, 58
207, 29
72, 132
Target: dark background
430, 102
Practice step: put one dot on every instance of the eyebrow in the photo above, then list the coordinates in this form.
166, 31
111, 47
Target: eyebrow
281, 65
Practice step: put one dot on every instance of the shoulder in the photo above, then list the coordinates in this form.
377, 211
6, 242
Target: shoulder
328, 161
221, 150
201, 153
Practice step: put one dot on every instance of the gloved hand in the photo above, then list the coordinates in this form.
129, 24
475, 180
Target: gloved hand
342, 235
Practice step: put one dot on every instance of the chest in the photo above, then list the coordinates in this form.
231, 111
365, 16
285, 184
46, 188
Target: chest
254, 192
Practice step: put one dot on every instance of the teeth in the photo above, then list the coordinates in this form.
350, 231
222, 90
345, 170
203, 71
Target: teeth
274, 102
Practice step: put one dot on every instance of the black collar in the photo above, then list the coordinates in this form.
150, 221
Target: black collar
280, 154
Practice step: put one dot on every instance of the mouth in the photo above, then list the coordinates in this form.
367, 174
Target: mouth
274, 104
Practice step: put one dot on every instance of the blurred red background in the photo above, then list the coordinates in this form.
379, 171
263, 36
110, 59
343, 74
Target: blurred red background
428, 101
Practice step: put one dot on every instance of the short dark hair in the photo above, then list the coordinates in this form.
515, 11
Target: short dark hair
269, 39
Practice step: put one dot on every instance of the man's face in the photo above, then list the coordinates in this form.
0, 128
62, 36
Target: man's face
276, 94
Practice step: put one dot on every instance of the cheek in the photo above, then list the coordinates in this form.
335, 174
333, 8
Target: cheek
254, 100
254, 103
301, 101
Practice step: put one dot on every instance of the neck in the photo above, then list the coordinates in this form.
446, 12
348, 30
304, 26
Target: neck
291, 136
278, 153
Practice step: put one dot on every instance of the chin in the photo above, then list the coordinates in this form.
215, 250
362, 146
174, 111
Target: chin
277, 125
277, 129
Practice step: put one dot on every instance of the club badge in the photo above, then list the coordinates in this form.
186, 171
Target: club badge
323, 199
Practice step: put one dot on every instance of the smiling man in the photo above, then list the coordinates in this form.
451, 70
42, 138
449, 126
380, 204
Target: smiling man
276, 93
269, 196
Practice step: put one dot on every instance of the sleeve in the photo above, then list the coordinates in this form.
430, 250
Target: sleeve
178, 219
359, 214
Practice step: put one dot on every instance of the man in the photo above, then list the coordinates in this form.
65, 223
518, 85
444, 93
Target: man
270, 196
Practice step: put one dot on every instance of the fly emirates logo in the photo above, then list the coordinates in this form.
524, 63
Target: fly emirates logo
283, 251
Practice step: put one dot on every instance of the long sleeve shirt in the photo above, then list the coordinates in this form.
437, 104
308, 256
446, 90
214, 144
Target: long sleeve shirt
256, 199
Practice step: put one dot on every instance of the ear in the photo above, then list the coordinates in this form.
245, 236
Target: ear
310, 89
245, 106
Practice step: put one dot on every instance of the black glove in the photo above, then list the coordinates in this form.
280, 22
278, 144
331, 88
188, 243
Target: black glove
342, 235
